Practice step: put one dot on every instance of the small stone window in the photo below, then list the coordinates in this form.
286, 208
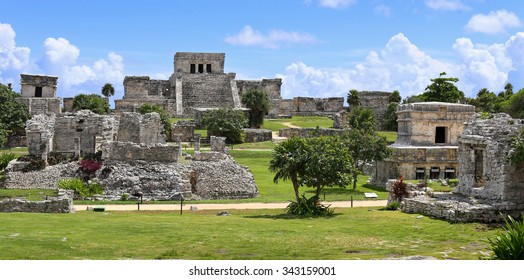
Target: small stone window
192, 69
434, 173
200, 68
440, 135
208, 68
38, 91
449, 173
420, 173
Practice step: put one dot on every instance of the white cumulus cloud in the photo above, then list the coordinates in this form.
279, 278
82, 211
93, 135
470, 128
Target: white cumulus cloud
336, 4
383, 10
401, 65
11, 56
446, 5
273, 39
493, 23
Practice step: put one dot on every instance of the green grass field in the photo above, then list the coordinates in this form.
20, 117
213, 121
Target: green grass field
32, 194
353, 233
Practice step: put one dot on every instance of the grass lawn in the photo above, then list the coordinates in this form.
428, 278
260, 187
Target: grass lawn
32, 194
313, 121
274, 125
17, 151
391, 136
353, 233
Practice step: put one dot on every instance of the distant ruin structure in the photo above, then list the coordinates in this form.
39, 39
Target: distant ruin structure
199, 82
39, 94
427, 142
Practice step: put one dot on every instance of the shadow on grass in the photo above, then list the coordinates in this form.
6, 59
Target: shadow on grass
285, 216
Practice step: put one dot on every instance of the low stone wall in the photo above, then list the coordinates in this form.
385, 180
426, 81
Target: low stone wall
128, 151
61, 204
308, 132
14, 141
457, 208
42, 179
210, 156
257, 135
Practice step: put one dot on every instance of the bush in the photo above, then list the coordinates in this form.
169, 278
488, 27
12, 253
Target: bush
5, 158
510, 244
80, 188
90, 166
308, 207
35, 163
226, 123
399, 189
93, 102
392, 206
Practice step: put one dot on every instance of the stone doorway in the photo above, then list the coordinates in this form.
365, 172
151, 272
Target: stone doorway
479, 168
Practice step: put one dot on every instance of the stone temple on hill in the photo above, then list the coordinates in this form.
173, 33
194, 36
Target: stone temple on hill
198, 82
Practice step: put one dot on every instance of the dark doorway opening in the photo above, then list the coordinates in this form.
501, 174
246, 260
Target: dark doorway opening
420, 173
200, 68
192, 69
449, 173
435, 173
208, 68
440, 134
479, 168
38, 92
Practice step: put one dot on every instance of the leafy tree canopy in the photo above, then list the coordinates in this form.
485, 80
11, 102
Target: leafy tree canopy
389, 122
226, 123
164, 117
13, 114
395, 97
92, 102
515, 105
443, 89
353, 98
258, 103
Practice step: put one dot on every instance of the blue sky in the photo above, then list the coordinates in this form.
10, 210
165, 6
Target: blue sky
318, 47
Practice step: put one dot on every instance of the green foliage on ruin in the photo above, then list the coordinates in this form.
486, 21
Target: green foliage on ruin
225, 123
164, 117
517, 148
92, 102
13, 114
443, 89
509, 245
258, 103
389, 122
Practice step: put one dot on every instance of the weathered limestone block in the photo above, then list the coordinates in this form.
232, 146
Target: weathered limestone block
128, 151
183, 129
138, 128
257, 135
218, 144
61, 204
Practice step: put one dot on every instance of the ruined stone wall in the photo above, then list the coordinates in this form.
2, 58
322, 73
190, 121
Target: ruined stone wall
68, 104
133, 105
160, 89
29, 83
308, 132
61, 204
138, 128
41, 105
270, 86
136, 87
84, 130
183, 129
42, 179
129, 151
206, 91
40, 133
183, 60
257, 135
485, 171
417, 122
306, 106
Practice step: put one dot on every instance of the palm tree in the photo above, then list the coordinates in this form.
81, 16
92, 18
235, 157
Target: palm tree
258, 103
353, 99
288, 162
108, 90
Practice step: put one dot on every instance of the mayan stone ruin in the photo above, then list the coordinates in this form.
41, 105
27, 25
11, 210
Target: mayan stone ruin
490, 185
39, 94
427, 142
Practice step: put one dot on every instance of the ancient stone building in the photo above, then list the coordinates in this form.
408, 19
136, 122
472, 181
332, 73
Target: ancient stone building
427, 141
490, 185
198, 81
39, 94
485, 171
306, 106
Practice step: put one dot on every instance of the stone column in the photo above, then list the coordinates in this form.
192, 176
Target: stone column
77, 147
179, 144
197, 143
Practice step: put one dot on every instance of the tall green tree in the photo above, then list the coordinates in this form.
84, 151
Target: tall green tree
164, 117
328, 164
395, 97
258, 103
365, 146
389, 122
108, 90
353, 98
486, 101
443, 89
92, 102
13, 114
287, 162
515, 106
226, 123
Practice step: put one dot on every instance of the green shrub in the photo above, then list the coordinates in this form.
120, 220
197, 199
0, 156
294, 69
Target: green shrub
5, 158
308, 207
510, 244
80, 188
35, 163
392, 206
124, 197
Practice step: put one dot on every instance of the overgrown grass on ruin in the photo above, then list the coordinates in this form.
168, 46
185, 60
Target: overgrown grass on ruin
353, 233
31, 194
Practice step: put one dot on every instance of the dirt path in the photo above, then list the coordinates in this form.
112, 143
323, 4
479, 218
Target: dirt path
255, 205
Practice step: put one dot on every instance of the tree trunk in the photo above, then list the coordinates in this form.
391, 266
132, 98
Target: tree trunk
294, 180
355, 178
